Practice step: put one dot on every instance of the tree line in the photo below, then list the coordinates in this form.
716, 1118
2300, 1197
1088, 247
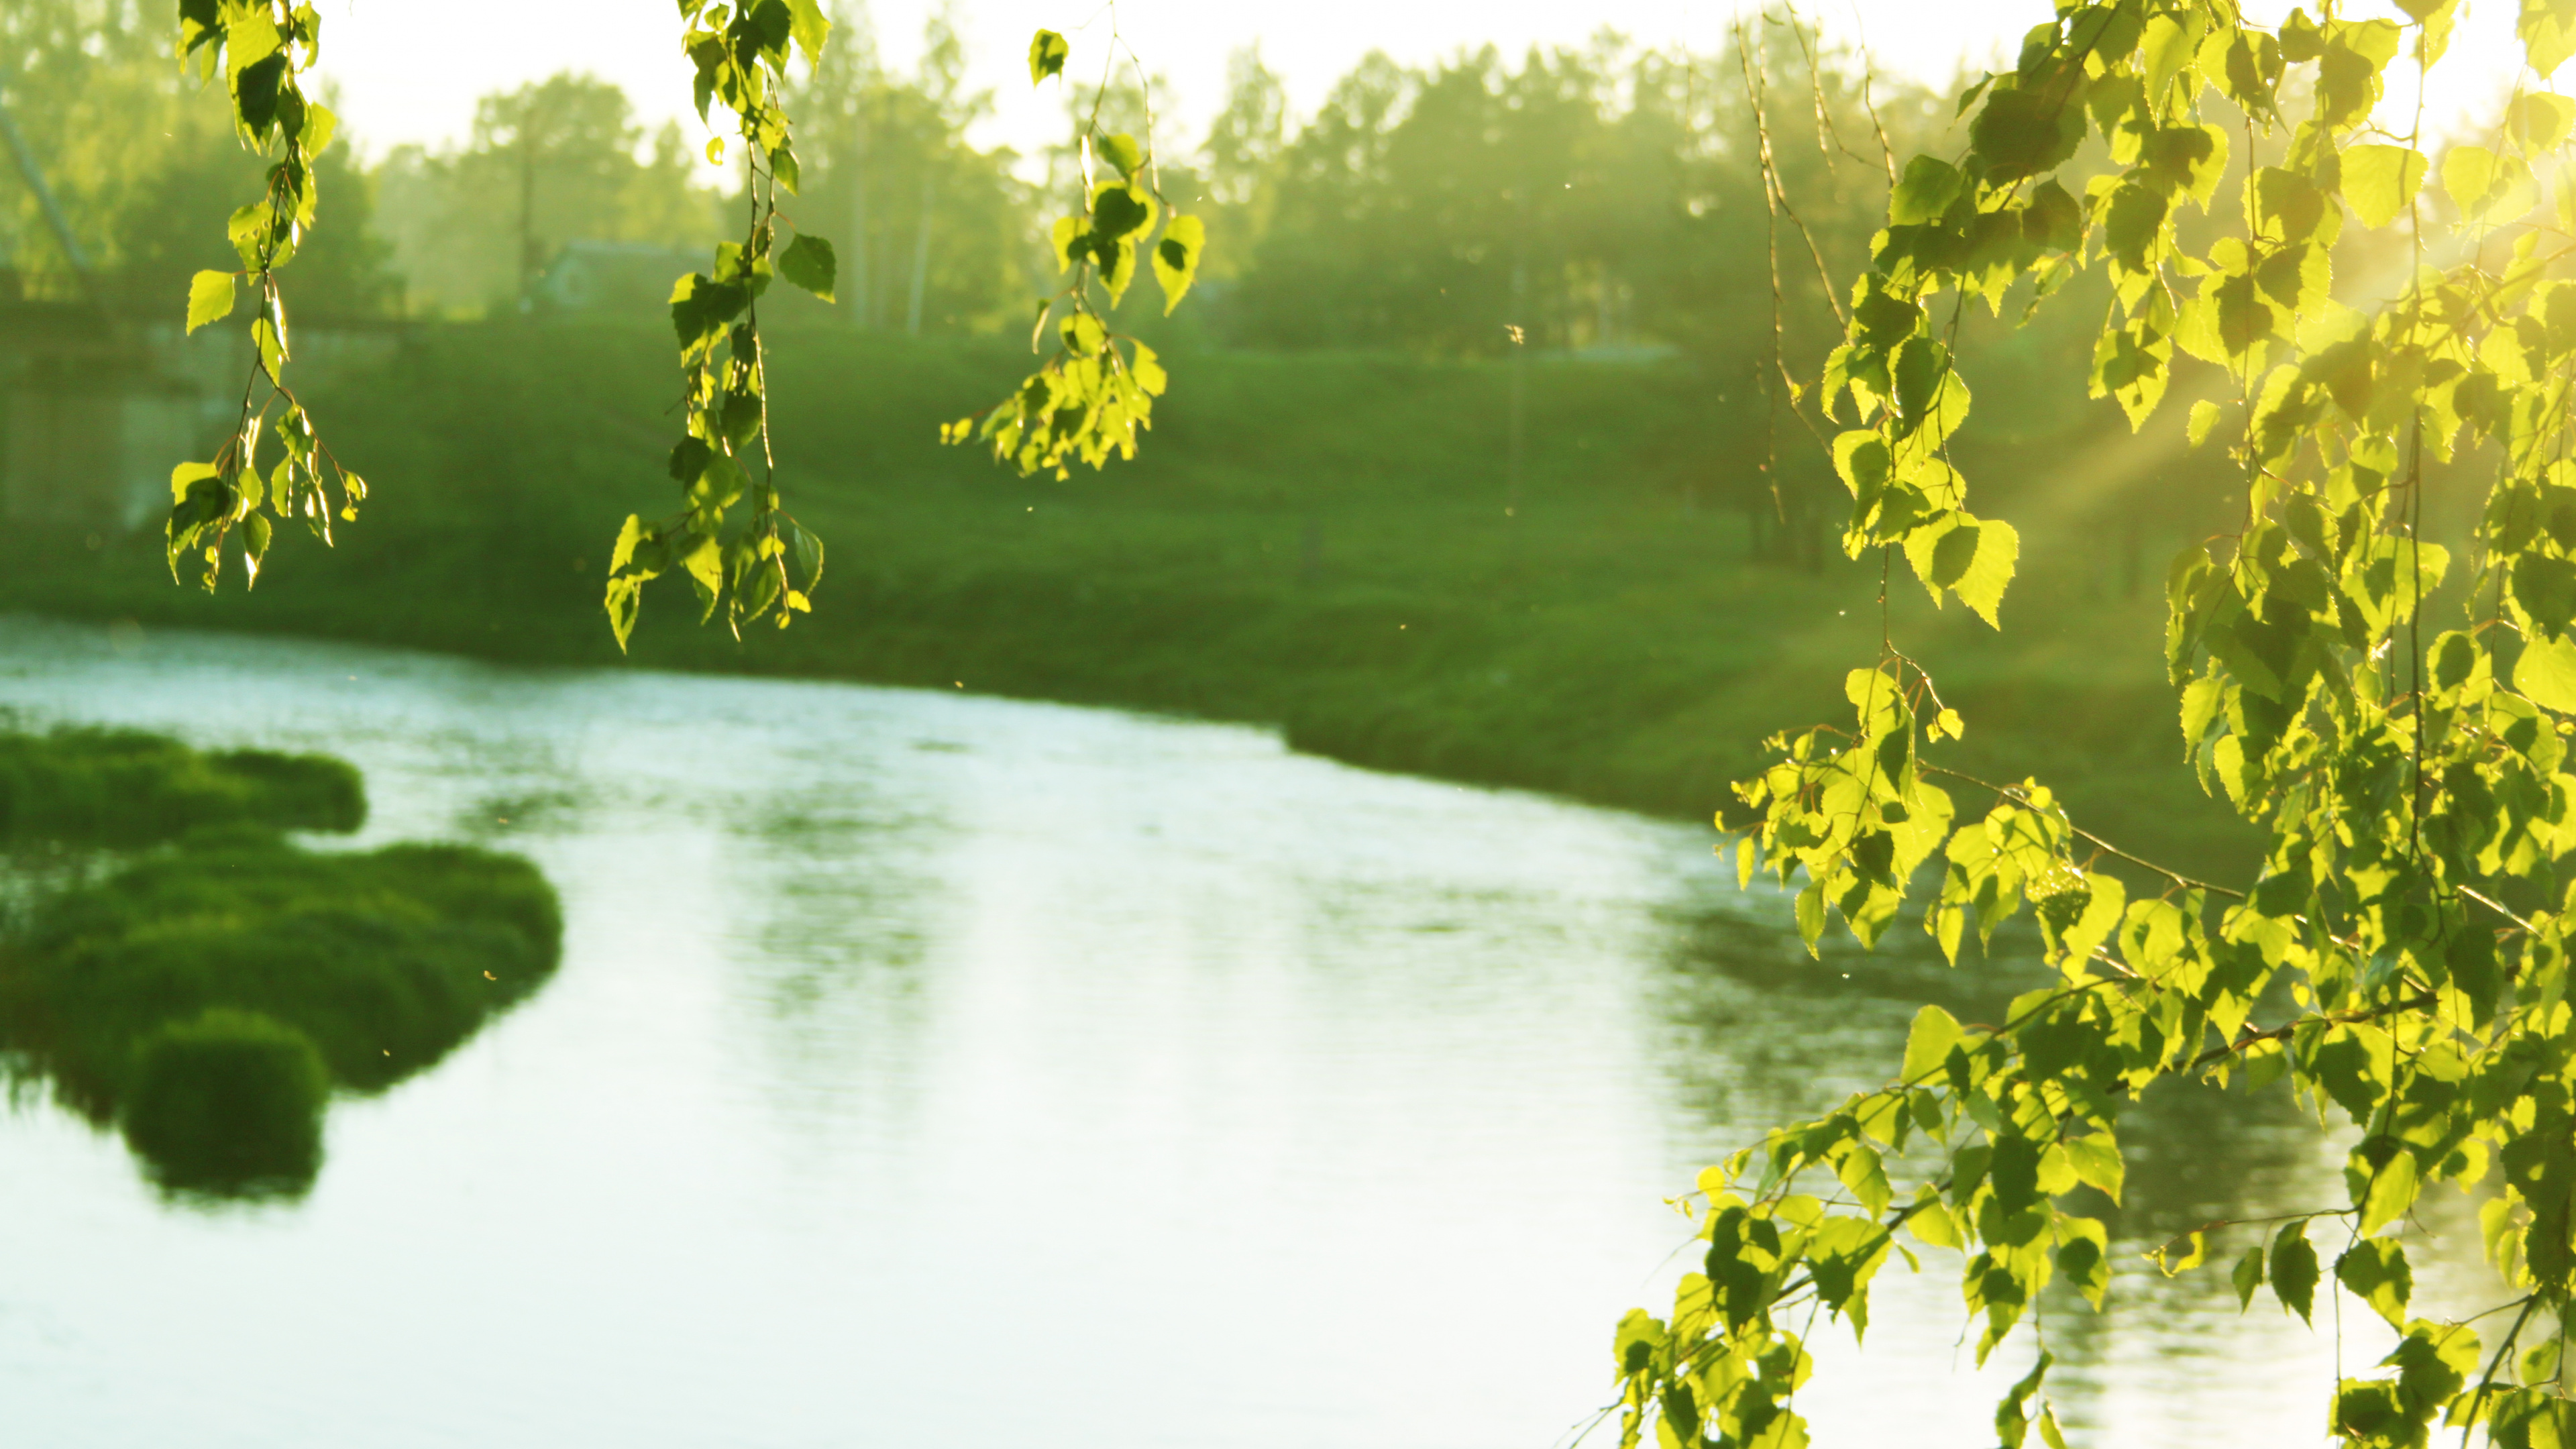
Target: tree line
1598, 196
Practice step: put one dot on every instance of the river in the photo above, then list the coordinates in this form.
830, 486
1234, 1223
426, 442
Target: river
928, 1070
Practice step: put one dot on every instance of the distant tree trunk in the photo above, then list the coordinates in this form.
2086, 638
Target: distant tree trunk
2132, 548
920, 258
859, 291
527, 218
1520, 386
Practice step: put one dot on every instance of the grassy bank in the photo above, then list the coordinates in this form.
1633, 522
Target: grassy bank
1333, 544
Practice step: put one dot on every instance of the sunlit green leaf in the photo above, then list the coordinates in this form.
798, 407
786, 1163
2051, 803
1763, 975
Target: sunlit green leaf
808, 262
210, 298
1176, 258
2381, 181
1047, 52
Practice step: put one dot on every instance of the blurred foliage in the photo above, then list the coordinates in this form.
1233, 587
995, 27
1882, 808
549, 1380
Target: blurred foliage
1595, 196
144, 163
551, 163
938, 234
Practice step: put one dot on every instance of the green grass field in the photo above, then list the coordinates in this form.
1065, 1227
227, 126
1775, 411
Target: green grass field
1320, 542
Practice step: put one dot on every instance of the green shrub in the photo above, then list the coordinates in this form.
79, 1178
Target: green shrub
228, 1102
116, 787
385, 960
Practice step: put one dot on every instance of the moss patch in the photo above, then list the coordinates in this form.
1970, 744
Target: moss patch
228, 1103
386, 960
111, 787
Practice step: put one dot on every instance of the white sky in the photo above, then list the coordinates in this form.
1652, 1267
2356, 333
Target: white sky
401, 80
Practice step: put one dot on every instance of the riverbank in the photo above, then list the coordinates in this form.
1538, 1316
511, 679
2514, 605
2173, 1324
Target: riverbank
1333, 544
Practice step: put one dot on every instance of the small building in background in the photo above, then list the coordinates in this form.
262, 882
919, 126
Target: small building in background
92, 418
608, 277
97, 408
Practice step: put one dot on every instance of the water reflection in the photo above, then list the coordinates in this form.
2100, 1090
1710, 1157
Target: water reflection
1282, 1104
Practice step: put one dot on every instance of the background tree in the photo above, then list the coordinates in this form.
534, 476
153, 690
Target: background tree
139, 159
566, 160
941, 233
1240, 158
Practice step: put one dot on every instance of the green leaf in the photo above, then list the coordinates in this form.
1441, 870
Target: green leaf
210, 298
1122, 152
2546, 674
2467, 174
2545, 587
2013, 1172
1928, 1045
2377, 1273
2392, 1192
1973, 558
808, 262
1047, 52
1066, 236
2548, 31
2294, 1270
808, 548
2381, 181
627, 537
1117, 266
255, 536
2204, 416
1176, 258
2024, 133
1119, 210
2097, 1163
2012, 1423
705, 564
2540, 120
1928, 188
188, 475
1148, 369
2248, 1276
625, 600
2084, 1257
810, 27
256, 92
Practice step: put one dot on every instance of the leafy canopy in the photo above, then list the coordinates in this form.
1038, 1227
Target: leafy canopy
2401, 958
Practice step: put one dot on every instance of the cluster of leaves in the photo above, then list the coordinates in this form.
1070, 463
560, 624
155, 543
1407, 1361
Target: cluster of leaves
1091, 397
2409, 930
762, 562
262, 48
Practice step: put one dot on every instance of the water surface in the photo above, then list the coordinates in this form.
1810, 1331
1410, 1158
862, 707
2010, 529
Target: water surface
927, 1070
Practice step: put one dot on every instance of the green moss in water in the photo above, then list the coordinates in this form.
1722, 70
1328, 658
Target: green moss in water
385, 960
228, 1103
129, 788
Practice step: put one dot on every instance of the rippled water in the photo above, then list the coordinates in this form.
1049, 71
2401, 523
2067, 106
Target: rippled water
927, 1070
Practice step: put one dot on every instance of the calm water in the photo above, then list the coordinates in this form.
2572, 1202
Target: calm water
927, 1070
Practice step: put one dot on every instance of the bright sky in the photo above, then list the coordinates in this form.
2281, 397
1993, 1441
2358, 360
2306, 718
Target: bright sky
404, 80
